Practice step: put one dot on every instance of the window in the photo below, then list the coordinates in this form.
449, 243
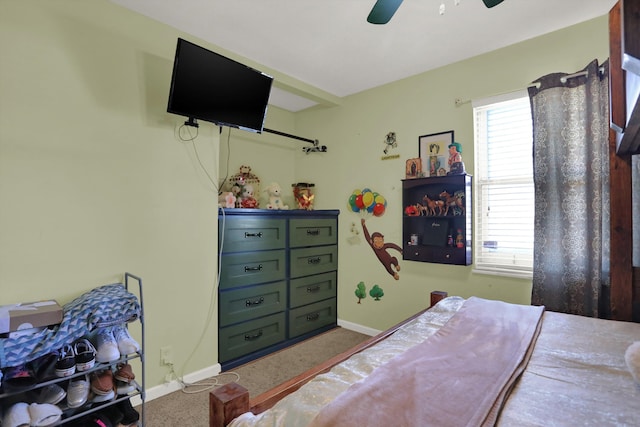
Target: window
504, 197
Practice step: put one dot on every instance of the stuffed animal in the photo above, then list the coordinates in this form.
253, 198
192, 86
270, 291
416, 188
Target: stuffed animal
275, 197
248, 201
632, 357
227, 200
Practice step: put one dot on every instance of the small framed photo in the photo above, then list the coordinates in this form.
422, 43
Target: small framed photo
414, 168
433, 150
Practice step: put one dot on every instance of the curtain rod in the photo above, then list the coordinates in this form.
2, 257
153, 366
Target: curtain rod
459, 102
564, 79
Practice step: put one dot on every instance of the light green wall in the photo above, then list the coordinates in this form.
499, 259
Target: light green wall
415, 106
95, 182
93, 179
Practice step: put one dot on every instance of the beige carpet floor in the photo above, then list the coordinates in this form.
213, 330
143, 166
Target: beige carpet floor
182, 409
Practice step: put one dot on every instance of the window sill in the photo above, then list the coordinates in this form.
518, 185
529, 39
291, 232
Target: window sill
516, 274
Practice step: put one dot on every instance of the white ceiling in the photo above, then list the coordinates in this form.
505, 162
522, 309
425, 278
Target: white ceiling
328, 44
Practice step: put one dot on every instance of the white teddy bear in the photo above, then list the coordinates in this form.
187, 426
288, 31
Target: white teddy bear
275, 197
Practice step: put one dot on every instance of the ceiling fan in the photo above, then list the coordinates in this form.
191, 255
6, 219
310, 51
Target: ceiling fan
383, 10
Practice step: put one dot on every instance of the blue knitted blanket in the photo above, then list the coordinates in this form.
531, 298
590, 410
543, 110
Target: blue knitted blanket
104, 306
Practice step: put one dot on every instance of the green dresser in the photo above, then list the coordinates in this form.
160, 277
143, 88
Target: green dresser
278, 280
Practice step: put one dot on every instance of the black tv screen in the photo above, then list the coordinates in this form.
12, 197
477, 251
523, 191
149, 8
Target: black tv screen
208, 86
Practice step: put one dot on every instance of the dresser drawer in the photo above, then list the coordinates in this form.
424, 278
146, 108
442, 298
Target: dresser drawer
252, 234
306, 290
313, 232
310, 317
306, 261
238, 340
252, 268
239, 305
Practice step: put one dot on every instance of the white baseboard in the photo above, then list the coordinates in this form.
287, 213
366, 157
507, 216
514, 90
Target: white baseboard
175, 385
211, 371
358, 328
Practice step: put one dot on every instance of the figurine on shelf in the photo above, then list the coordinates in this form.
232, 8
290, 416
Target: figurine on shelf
453, 202
456, 166
433, 205
460, 239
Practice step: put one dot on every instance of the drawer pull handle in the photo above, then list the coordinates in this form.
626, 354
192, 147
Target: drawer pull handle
312, 289
249, 303
253, 234
258, 268
253, 337
315, 260
313, 317
313, 232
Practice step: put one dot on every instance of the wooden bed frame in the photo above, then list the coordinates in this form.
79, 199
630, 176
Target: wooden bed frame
230, 400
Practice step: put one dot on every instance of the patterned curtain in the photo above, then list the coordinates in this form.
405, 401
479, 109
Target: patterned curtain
571, 179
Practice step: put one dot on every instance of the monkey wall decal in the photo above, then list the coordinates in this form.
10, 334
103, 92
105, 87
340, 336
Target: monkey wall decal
376, 241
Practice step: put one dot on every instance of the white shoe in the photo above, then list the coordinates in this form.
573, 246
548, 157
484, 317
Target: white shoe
17, 416
107, 347
44, 414
126, 344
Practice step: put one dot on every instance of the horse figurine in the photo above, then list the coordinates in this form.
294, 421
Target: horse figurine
432, 205
454, 201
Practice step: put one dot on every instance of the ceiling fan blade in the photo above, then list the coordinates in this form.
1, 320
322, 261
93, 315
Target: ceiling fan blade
491, 3
382, 11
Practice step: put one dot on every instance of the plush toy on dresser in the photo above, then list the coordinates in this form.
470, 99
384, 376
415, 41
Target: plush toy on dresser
274, 191
247, 200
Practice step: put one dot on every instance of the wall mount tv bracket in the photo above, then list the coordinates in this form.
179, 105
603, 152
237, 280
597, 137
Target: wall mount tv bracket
317, 148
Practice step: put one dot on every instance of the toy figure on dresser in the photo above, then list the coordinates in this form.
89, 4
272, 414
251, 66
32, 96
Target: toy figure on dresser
274, 191
243, 185
247, 200
227, 200
456, 166
303, 194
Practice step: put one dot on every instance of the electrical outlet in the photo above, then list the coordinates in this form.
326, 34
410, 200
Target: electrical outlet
166, 356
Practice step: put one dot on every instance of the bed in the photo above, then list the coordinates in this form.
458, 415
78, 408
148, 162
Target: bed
462, 362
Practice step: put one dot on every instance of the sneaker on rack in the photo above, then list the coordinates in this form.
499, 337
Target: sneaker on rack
124, 373
85, 355
78, 392
126, 344
100, 398
102, 382
123, 388
52, 394
66, 364
107, 347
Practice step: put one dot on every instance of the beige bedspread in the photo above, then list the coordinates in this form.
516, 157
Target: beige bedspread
576, 375
458, 377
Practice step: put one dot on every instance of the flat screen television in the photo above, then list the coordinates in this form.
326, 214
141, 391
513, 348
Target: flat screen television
208, 86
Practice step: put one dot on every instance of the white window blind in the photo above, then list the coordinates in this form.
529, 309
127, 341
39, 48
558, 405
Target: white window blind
504, 197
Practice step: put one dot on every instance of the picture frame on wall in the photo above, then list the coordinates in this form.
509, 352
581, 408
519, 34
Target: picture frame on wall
414, 168
433, 150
